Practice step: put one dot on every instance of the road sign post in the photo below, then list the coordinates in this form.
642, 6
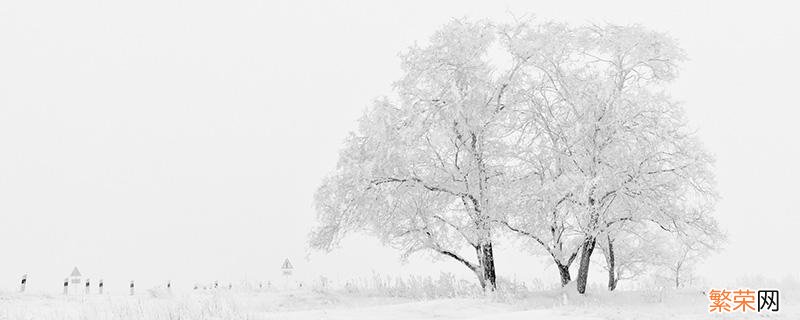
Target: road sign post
286, 269
23, 283
74, 280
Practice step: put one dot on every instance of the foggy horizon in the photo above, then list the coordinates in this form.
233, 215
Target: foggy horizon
184, 141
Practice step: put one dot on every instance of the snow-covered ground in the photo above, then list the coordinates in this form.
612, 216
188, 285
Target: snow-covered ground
316, 304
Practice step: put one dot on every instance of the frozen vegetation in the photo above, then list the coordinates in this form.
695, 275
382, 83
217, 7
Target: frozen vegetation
383, 298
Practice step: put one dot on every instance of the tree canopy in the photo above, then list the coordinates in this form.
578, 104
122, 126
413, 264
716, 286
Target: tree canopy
564, 135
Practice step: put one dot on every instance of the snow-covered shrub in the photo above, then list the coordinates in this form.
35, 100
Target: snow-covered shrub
446, 285
510, 290
159, 292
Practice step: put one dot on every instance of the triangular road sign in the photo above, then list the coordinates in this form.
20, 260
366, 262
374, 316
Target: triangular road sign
287, 265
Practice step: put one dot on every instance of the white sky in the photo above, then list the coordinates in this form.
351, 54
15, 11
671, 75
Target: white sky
183, 140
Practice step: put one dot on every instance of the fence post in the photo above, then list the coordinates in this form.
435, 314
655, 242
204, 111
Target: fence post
23, 282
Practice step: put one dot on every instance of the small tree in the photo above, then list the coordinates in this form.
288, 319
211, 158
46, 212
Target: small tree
670, 250
632, 251
687, 249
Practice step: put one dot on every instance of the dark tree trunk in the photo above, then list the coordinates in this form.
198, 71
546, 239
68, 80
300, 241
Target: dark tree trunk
583, 269
563, 271
612, 278
487, 262
563, 268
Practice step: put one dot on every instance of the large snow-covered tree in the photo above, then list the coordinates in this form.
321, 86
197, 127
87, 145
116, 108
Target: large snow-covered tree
426, 171
574, 140
608, 139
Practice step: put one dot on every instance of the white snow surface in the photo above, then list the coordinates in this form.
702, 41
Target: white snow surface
317, 304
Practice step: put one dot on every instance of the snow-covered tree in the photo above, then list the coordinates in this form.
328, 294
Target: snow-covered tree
634, 251
576, 140
644, 249
687, 247
425, 172
606, 138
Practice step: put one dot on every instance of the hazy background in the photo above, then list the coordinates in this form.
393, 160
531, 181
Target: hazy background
183, 140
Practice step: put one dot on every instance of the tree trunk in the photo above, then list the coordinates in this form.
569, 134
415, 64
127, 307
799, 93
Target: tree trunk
486, 257
563, 271
612, 279
583, 269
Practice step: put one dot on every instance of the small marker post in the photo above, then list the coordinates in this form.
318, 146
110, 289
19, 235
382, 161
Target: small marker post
66, 286
132, 287
100, 287
23, 282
